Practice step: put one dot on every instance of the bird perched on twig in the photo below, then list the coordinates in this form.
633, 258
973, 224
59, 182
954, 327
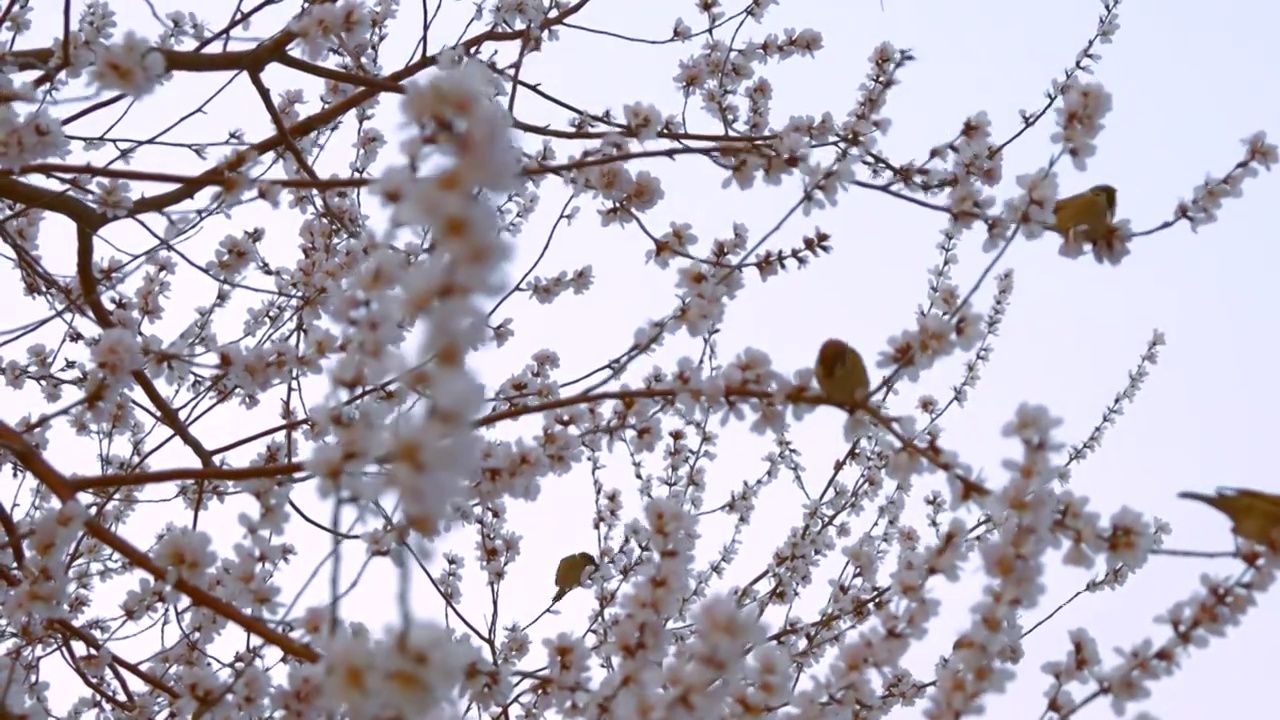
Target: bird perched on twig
569, 573
841, 373
1086, 215
1255, 515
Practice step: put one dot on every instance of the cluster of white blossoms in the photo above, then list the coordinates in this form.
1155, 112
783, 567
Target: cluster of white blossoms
382, 312
460, 132
27, 137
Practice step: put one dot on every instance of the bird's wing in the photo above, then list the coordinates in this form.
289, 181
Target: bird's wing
1262, 498
563, 570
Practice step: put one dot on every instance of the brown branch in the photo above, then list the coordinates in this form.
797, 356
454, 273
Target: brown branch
31, 459
138, 479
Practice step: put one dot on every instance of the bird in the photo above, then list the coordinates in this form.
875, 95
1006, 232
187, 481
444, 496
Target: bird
841, 373
569, 573
1093, 210
1255, 515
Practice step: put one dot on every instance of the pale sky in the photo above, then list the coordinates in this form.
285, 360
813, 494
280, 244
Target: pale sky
1188, 84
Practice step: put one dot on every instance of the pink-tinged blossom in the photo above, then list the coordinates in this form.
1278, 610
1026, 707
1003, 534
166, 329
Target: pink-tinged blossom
1260, 152
1080, 120
185, 553
1033, 210
131, 66
31, 138
320, 27
643, 120
117, 354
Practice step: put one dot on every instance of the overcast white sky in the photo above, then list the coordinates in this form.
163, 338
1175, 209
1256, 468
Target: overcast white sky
1188, 83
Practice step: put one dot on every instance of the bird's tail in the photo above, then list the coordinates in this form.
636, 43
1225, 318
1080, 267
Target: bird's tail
1188, 495
559, 596
1216, 502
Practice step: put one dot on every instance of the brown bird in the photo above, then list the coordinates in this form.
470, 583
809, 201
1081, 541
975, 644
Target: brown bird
1255, 515
1087, 215
841, 373
569, 573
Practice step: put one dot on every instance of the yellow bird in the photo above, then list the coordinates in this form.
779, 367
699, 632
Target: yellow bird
569, 573
1255, 515
1089, 214
841, 373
